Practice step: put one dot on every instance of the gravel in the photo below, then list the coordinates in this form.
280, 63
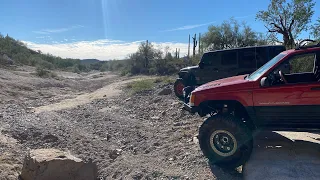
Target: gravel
140, 136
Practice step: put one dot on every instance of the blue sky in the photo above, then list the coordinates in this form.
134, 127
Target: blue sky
115, 27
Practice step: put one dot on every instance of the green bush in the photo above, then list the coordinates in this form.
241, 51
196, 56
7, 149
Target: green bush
75, 69
141, 85
41, 72
44, 73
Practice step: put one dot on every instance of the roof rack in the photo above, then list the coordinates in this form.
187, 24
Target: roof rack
300, 45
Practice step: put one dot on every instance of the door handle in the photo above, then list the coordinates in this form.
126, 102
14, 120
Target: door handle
316, 88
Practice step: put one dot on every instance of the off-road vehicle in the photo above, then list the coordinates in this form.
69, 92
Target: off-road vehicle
225, 63
267, 99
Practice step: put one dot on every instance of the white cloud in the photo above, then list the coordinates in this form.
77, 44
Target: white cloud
43, 37
103, 49
58, 30
188, 27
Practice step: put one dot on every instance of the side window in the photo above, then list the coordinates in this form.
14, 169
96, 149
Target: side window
211, 58
247, 58
302, 63
261, 56
229, 58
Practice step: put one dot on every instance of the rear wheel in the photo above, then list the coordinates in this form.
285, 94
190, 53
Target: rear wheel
225, 141
178, 88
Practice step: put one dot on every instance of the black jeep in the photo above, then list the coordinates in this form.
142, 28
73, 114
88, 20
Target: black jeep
224, 63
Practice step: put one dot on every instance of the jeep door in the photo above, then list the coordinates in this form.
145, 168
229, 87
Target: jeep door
211, 61
292, 105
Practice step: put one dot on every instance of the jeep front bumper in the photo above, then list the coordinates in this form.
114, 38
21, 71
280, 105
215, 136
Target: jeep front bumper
191, 109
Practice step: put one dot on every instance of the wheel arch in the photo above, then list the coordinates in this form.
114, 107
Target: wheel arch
227, 106
186, 77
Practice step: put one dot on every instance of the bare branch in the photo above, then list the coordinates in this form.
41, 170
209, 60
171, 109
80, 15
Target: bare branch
277, 26
291, 24
281, 21
270, 30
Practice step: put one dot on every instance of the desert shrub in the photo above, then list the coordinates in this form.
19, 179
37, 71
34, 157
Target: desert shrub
44, 73
141, 85
41, 72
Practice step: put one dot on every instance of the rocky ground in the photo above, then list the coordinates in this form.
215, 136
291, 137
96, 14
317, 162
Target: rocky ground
129, 136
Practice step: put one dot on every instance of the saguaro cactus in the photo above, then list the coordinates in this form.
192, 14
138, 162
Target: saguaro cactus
195, 42
189, 47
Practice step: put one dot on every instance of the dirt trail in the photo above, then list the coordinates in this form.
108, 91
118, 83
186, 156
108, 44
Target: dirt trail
107, 91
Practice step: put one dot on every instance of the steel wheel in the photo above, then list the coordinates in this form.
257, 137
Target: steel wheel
223, 143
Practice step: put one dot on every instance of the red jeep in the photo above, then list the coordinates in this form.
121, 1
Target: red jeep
266, 99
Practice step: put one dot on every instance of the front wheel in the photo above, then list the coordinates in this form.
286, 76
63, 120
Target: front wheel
178, 88
225, 141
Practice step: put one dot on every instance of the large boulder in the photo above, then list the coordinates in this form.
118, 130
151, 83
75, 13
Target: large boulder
53, 164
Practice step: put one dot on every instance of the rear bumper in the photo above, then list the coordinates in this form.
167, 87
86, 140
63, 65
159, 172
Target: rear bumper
191, 109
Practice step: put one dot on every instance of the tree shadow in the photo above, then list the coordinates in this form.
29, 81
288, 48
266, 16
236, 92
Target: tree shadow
226, 174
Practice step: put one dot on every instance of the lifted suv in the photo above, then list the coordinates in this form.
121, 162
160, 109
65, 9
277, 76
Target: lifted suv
266, 99
225, 63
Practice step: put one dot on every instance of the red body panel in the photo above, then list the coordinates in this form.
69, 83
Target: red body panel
233, 88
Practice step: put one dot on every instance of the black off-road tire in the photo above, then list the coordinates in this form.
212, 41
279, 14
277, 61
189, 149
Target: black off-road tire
240, 132
177, 89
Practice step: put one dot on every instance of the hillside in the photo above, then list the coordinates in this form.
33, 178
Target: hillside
14, 52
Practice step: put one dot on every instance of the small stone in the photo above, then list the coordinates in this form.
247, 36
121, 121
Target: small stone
155, 117
165, 91
172, 158
30, 109
175, 103
119, 151
137, 176
127, 99
156, 100
105, 95
87, 115
115, 153
195, 140
178, 124
147, 151
108, 136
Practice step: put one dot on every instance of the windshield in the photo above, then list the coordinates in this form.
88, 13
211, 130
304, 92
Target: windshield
258, 73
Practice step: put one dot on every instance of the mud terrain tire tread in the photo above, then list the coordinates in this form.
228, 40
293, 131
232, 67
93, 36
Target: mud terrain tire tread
175, 87
240, 131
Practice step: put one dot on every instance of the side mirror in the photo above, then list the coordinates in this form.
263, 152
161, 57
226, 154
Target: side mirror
201, 65
264, 82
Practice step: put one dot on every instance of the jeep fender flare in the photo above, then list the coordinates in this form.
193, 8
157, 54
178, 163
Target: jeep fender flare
229, 106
